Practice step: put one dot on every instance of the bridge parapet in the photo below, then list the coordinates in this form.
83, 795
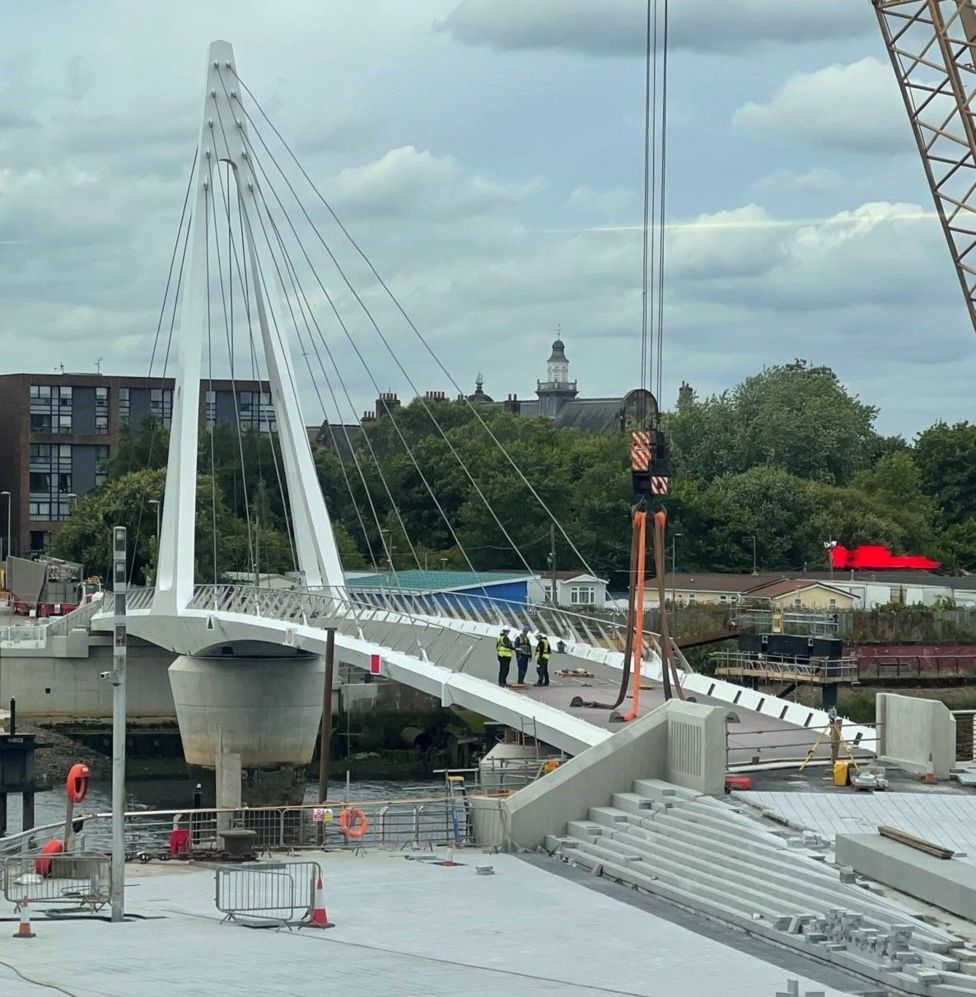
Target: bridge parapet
440, 610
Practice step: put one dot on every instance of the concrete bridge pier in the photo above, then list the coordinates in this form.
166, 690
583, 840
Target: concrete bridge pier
250, 714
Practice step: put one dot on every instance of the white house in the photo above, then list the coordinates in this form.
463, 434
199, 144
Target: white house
574, 590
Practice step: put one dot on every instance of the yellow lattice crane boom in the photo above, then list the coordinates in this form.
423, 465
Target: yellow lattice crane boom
932, 46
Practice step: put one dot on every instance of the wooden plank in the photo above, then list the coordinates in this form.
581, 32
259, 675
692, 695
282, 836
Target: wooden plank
920, 844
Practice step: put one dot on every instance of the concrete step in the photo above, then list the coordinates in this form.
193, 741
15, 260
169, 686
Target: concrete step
585, 830
634, 803
608, 816
657, 789
744, 902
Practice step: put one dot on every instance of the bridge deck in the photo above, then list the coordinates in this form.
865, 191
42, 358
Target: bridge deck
753, 735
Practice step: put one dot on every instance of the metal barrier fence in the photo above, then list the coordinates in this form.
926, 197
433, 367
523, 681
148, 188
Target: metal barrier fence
85, 879
270, 893
389, 824
784, 668
23, 636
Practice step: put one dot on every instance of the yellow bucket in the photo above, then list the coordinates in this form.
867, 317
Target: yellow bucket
841, 776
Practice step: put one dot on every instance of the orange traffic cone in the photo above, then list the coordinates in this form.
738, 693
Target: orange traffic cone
317, 917
24, 928
930, 770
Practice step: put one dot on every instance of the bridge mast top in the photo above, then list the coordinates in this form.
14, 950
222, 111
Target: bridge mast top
224, 139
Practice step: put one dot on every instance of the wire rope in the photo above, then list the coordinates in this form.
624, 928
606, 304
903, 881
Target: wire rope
392, 353
399, 307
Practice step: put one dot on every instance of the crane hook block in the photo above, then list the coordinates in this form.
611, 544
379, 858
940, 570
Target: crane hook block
649, 463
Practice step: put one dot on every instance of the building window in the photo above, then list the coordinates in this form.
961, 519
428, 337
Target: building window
832, 604
123, 405
38, 540
255, 410
50, 408
582, 595
211, 410
691, 598
723, 598
101, 465
101, 411
797, 602
161, 405
50, 481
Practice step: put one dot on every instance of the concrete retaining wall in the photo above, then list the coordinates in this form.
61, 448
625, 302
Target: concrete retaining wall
911, 729
53, 687
946, 883
679, 742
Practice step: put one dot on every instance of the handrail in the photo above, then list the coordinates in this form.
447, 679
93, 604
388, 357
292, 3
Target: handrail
338, 604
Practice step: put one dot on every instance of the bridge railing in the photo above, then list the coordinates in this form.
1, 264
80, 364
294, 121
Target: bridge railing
349, 609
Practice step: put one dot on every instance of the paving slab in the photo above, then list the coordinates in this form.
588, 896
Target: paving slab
402, 926
947, 819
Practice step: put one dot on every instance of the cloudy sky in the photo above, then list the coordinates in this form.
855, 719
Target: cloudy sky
488, 156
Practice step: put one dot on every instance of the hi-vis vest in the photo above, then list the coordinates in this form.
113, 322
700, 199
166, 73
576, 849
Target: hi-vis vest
501, 649
542, 649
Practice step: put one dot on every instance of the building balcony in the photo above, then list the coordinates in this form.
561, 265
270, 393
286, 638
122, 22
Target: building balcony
569, 387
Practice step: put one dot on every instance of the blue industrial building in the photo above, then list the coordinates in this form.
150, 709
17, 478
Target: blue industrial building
472, 589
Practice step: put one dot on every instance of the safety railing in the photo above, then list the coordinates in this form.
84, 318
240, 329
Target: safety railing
82, 879
23, 636
343, 607
768, 620
387, 824
272, 894
784, 667
77, 618
745, 749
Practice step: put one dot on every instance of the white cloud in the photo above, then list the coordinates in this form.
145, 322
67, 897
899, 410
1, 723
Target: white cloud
608, 201
853, 107
817, 180
409, 181
617, 27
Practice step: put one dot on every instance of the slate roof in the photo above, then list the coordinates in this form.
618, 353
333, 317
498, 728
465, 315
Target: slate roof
771, 590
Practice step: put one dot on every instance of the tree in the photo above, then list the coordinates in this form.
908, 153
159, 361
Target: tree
221, 538
894, 487
794, 416
946, 459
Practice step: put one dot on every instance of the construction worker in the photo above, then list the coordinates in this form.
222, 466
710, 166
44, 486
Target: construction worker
503, 648
542, 653
523, 652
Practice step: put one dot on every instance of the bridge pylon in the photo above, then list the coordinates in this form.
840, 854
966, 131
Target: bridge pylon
224, 139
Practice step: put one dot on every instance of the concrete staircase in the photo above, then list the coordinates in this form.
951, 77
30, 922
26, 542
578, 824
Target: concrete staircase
705, 855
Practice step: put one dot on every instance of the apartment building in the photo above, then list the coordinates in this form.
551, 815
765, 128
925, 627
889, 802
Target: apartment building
59, 431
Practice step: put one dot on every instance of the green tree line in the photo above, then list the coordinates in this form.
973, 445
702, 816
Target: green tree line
788, 457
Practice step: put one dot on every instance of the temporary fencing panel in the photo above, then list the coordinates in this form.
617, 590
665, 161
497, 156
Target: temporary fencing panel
83, 879
273, 893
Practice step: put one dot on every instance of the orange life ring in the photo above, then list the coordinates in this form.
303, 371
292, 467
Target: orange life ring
353, 823
77, 783
44, 861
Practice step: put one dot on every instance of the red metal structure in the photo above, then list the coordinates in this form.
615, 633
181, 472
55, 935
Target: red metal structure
878, 558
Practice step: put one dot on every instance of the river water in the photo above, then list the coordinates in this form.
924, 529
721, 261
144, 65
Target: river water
171, 794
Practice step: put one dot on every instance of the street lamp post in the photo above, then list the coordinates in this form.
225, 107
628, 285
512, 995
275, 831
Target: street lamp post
155, 502
829, 546
754, 571
674, 581
9, 544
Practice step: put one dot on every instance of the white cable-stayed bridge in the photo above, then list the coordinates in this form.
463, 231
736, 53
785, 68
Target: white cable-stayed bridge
257, 277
